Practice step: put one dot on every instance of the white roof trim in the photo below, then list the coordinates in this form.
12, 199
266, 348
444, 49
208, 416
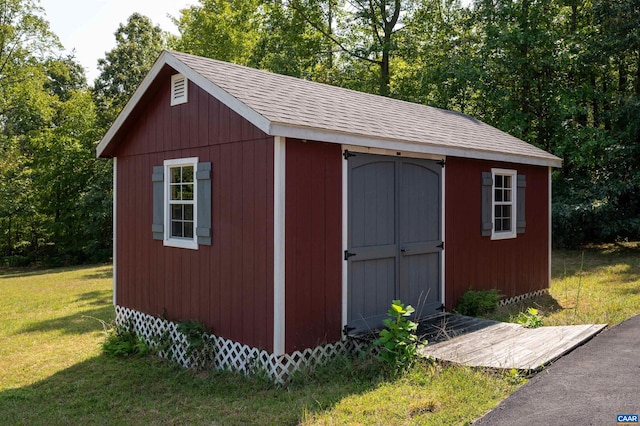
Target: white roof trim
409, 146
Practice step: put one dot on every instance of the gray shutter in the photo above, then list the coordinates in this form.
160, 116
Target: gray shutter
521, 221
158, 202
203, 176
487, 201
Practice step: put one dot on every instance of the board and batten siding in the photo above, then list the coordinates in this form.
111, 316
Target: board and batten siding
229, 285
514, 266
313, 231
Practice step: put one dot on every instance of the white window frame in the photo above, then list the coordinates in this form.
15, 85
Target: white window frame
187, 243
512, 233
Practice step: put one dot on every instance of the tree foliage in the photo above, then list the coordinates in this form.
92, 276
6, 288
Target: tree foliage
561, 74
138, 44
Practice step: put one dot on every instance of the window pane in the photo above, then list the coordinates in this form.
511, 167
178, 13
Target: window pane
507, 195
176, 212
175, 174
176, 229
498, 181
175, 192
187, 174
188, 212
188, 230
187, 192
506, 224
498, 195
507, 182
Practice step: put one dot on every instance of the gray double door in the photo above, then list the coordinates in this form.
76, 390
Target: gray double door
394, 237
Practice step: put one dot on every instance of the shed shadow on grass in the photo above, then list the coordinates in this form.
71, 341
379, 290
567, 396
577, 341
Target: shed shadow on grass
84, 321
33, 272
105, 390
87, 321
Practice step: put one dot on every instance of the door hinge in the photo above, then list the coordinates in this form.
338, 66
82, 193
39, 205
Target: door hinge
441, 245
347, 255
346, 154
441, 163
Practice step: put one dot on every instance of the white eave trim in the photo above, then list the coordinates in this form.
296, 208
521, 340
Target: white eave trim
409, 146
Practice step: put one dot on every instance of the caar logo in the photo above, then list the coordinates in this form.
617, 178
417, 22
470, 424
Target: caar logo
627, 418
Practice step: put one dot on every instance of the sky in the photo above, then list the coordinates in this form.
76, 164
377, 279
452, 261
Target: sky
88, 25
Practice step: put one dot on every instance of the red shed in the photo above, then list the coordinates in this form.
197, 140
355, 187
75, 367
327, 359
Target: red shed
281, 212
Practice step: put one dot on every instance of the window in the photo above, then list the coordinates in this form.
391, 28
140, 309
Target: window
182, 203
504, 202
179, 89
180, 193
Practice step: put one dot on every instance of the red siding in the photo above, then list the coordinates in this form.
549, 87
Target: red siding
228, 285
514, 266
313, 239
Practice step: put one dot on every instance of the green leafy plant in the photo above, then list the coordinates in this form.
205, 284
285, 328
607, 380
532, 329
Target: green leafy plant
530, 319
398, 342
200, 347
122, 341
478, 302
514, 377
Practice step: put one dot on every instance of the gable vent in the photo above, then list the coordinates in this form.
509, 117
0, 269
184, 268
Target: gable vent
179, 89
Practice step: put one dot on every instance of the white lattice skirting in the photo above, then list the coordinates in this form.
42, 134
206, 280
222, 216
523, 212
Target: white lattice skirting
522, 297
171, 344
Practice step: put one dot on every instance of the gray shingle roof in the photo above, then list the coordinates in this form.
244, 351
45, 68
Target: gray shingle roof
292, 107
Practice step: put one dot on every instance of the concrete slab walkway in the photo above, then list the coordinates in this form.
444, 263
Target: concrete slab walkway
484, 343
590, 386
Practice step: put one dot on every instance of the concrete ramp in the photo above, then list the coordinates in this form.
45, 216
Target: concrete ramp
484, 343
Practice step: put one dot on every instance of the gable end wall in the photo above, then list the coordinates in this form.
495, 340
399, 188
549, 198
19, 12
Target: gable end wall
229, 285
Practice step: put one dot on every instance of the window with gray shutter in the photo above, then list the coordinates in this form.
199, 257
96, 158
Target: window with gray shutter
182, 203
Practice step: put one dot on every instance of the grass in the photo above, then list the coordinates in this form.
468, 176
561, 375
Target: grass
53, 371
598, 285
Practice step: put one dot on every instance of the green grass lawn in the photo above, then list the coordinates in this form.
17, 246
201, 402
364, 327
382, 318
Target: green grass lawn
600, 285
53, 371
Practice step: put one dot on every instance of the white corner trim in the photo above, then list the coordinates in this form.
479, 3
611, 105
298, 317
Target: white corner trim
443, 234
279, 223
114, 227
550, 224
345, 240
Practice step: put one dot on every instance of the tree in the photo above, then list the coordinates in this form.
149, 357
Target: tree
221, 29
138, 44
365, 30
